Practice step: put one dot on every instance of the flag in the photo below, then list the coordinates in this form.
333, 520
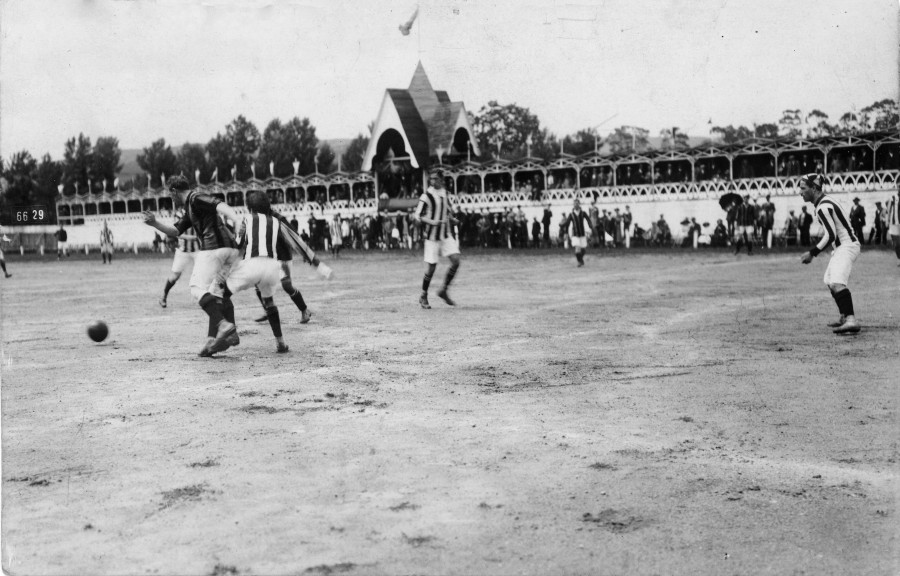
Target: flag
149, 182
163, 176
234, 172
407, 26
116, 183
215, 175
296, 165
197, 176
272, 169
253, 170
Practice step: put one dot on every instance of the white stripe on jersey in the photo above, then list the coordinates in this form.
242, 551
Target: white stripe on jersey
435, 205
261, 234
837, 226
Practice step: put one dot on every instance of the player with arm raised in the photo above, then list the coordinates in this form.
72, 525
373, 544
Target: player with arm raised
434, 211
846, 249
218, 251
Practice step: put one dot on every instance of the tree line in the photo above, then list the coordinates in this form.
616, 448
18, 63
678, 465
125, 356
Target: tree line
286, 148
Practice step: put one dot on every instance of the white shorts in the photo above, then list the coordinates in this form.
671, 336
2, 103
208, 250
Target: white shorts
894, 230
261, 272
748, 230
106, 248
211, 267
840, 264
437, 248
579, 241
181, 261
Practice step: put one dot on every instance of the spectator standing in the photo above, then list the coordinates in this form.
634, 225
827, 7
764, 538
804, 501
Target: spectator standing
893, 219
563, 231
545, 220
594, 214
745, 220
767, 215
857, 218
626, 220
805, 224
790, 229
535, 233
877, 231
62, 242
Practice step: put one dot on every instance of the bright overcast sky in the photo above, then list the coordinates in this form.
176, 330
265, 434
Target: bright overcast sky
140, 70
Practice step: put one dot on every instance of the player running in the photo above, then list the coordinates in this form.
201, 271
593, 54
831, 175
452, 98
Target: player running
187, 246
218, 251
846, 250
435, 212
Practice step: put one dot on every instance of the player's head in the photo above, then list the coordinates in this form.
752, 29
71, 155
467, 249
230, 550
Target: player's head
577, 203
810, 186
177, 186
258, 202
436, 178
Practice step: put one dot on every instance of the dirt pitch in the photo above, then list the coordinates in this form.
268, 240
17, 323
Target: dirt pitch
656, 413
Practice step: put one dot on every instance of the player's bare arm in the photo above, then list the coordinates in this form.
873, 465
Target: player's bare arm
150, 220
229, 213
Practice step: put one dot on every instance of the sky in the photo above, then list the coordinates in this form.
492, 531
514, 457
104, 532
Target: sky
141, 70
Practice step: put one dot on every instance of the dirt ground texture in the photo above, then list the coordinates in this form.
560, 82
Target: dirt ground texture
670, 412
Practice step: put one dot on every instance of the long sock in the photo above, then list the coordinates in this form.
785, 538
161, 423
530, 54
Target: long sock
844, 302
426, 281
297, 297
3, 265
213, 308
168, 287
274, 320
451, 273
227, 306
580, 257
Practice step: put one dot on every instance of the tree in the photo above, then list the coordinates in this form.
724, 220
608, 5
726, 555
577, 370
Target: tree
77, 162
244, 139
817, 124
545, 145
790, 124
157, 160
105, 161
730, 134
21, 183
505, 128
848, 124
189, 159
680, 141
284, 144
221, 156
628, 139
325, 159
49, 177
352, 159
767, 130
883, 114
582, 142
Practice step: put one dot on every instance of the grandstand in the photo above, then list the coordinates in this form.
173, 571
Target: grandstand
419, 127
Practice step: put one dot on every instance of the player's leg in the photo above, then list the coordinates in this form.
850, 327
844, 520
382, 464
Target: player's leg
3, 266
450, 248
207, 289
294, 293
432, 248
179, 265
837, 276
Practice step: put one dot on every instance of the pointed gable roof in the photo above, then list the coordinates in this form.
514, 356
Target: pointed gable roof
426, 119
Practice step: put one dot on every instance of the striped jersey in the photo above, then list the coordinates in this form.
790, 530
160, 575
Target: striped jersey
837, 226
188, 243
577, 220
893, 210
261, 237
434, 204
106, 236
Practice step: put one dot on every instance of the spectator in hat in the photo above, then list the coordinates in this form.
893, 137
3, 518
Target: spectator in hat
877, 231
857, 218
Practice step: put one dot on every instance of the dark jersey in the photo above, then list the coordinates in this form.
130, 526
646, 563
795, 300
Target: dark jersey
200, 214
578, 220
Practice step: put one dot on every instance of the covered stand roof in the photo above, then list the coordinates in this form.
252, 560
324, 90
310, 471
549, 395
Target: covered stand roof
425, 119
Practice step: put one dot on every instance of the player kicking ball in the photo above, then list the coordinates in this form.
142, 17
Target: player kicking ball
846, 249
434, 211
218, 251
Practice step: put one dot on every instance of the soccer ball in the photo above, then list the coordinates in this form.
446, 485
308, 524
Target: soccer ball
98, 330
